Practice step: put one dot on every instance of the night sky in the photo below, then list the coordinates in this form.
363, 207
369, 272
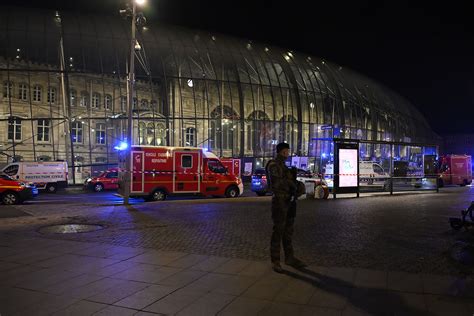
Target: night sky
423, 51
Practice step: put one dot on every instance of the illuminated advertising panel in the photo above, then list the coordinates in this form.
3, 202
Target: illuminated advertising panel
348, 160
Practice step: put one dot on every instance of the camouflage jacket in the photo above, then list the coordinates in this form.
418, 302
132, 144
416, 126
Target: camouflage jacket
280, 177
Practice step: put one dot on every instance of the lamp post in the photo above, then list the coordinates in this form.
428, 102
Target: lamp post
130, 92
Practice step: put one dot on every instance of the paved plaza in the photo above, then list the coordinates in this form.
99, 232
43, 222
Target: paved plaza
379, 255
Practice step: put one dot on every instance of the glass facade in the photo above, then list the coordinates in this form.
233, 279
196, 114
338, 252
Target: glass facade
233, 97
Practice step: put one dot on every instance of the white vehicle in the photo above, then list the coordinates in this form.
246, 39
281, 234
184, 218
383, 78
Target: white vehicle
48, 175
370, 174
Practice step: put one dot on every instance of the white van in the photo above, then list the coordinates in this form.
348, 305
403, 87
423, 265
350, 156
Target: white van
47, 175
370, 174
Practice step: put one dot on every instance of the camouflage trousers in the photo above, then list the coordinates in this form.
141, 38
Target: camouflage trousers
283, 216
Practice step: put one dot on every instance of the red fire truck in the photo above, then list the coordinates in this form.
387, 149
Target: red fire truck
161, 171
455, 169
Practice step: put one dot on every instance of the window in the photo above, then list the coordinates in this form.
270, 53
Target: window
95, 100
7, 89
190, 137
23, 92
84, 99
51, 95
43, 130
112, 174
76, 132
14, 129
154, 105
135, 103
37, 93
12, 170
123, 103
43, 158
100, 134
186, 161
144, 104
216, 166
73, 97
142, 133
101, 159
108, 101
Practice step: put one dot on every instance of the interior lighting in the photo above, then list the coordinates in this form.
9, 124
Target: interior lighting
140, 2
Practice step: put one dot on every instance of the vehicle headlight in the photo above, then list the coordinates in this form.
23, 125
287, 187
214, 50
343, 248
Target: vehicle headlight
89, 180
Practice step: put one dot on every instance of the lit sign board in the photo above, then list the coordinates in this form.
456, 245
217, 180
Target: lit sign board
348, 167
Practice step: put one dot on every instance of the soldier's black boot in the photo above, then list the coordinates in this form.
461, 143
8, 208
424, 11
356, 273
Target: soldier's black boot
276, 266
295, 262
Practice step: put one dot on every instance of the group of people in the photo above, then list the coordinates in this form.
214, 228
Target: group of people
286, 189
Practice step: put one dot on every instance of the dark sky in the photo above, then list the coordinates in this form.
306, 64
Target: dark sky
423, 51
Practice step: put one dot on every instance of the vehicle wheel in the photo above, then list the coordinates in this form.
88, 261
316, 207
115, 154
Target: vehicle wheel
232, 192
261, 193
51, 188
157, 195
10, 198
98, 187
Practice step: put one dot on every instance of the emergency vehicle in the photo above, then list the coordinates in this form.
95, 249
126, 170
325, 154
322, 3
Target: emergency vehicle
107, 180
455, 169
15, 192
46, 175
161, 171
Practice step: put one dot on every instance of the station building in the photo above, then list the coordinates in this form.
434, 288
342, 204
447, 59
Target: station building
64, 95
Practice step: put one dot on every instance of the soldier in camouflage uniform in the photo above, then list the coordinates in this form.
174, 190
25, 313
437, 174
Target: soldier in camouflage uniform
283, 185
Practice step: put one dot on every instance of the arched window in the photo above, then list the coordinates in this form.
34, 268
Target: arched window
23, 92
52, 95
144, 104
288, 129
150, 133
73, 97
95, 100
259, 132
108, 101
37, 93
160, 133
123, 103
224, 128
7, 89
142, 133
190, 137
84, 99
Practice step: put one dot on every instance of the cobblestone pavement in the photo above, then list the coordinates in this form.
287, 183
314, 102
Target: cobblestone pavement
405, 232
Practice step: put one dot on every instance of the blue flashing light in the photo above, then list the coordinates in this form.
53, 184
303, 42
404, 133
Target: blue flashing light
324, 155
121, 146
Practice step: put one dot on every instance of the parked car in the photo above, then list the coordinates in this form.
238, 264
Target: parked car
107, 180
15, 192
259, 183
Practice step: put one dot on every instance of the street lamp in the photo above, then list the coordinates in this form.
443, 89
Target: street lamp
136, 18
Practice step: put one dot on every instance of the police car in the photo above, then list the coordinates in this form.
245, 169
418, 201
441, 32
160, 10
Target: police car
259, 183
